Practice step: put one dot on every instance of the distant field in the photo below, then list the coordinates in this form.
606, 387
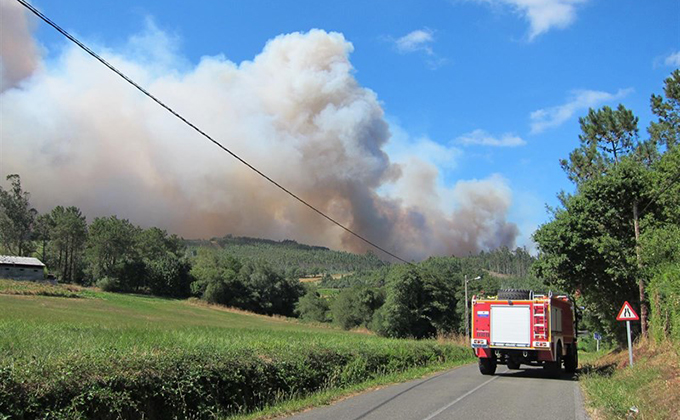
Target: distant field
104, 355
314, 279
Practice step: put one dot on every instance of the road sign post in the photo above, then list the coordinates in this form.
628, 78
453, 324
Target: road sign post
628, 314
597, 337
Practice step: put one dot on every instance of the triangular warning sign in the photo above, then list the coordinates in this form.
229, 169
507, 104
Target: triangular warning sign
627, 313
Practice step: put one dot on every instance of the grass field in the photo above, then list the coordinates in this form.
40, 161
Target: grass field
80, 353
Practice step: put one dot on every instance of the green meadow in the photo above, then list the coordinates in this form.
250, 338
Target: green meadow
80, 353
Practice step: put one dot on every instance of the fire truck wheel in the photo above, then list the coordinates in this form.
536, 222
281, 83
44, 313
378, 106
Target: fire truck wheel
571, 361
554, 369
487, 366
512, 364
513, 294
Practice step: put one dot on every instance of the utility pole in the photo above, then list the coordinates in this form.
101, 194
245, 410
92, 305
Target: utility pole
467, 323
641, 283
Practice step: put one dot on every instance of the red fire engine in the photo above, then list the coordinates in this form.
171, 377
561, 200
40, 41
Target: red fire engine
519, 327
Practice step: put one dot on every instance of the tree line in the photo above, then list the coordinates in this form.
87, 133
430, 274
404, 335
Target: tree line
290, 256
417, 300
616, 238
110, 252
117, 256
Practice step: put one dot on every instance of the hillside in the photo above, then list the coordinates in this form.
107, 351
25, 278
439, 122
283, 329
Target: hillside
288, 255
72, 352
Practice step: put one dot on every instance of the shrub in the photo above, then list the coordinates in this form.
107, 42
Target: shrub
355, 306
169, 276
109, 284
312, 307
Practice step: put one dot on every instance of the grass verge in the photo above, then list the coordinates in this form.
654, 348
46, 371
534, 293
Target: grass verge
651, 385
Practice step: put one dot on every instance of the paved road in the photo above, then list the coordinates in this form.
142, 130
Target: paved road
464, 393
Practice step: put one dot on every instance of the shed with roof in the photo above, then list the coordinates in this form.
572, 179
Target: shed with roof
21, 268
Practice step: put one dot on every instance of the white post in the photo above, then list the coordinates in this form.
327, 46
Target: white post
630, 347
598, 345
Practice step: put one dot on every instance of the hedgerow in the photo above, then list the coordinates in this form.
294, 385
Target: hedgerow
197, 383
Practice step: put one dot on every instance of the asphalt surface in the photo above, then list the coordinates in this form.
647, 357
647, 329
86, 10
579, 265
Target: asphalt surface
464, 393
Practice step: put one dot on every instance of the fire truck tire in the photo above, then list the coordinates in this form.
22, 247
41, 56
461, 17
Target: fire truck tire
514, 294
571, 361
487, 366
554, 369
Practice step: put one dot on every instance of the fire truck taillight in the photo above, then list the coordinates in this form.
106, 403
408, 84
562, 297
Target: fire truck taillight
544, 344
479, 343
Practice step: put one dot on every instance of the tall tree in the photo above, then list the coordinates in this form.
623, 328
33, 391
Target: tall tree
110, 245
666, 130
68, 237
418, 303
42, 231
606, 136
16, 218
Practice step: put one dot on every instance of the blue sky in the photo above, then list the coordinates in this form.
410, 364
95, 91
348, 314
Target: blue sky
479, 88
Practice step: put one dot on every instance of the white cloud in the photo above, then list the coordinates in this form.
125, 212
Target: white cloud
542, 15
419, 40
673, 59
483, 138
545, 118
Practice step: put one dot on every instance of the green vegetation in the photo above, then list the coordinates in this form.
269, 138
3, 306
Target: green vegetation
257, 275
290, 257
419, 300
108, 355
28, 288
253, 286
652, 385
615, 238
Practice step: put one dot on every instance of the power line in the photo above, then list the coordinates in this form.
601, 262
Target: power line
201, 132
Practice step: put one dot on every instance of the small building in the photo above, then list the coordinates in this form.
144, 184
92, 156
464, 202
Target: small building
21, 268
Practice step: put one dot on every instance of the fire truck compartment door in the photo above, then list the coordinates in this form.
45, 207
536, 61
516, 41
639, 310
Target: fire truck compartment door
511, 326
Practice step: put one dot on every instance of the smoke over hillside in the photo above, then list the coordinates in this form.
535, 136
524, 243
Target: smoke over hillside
79, 135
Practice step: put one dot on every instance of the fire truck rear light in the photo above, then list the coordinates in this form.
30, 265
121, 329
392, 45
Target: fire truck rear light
479, 343
543, 344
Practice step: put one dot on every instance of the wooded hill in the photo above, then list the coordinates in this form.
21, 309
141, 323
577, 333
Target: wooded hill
289, 256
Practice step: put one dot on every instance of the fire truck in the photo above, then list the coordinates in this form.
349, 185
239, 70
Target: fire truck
518, 327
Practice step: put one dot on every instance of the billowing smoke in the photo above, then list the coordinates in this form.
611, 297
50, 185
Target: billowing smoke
79, 135
18, 52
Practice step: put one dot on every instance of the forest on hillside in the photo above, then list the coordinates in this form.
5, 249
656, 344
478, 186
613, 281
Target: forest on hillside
289, 256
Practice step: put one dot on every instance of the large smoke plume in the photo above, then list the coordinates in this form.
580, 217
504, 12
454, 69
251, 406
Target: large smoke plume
79, 135
18, 52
